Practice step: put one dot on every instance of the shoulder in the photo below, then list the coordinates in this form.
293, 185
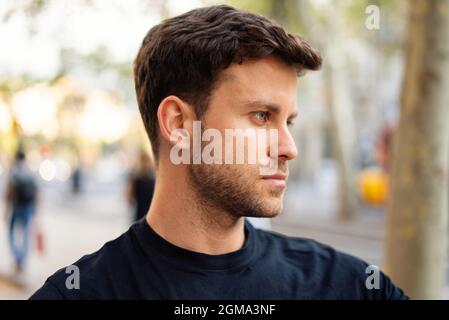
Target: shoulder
91, 276
349, 276
321, 255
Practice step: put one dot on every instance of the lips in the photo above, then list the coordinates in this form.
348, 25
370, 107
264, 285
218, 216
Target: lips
278, 176
277, 180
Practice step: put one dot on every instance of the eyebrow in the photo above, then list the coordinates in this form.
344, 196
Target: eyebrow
273, 107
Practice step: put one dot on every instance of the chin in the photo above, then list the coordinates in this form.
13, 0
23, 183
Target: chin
270, 209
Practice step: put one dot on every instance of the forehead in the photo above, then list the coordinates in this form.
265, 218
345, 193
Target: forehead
267, 78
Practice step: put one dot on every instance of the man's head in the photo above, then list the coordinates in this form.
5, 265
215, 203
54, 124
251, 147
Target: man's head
232, 70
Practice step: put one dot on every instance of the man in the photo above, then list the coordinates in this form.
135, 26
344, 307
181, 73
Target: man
141, 186
230, 70
21, 198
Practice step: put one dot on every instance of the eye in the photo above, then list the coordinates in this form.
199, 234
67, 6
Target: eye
261, 116
290, 123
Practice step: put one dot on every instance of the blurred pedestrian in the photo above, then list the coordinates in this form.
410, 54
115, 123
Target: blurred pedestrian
76, 179
21, 199
383, 149
141, 186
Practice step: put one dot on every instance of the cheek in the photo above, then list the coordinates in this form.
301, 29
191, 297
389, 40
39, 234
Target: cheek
242, 174
255, 147
220, 117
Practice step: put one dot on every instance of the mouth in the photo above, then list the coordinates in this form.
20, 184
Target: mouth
276, 180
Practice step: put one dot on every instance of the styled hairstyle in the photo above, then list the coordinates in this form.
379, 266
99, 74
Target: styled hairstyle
184, 56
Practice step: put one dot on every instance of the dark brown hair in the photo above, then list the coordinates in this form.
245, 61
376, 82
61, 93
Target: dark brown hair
184, 56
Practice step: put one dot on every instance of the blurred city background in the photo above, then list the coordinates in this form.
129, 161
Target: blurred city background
67, 100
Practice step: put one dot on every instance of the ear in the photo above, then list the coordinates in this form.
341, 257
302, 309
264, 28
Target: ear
172, 114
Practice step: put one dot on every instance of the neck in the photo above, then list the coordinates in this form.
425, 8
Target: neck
180, 217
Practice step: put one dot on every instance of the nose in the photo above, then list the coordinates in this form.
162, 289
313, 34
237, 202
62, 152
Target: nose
286, 145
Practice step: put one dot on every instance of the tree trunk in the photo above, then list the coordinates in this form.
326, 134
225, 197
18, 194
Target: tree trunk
342, 116
342, 122
416, 239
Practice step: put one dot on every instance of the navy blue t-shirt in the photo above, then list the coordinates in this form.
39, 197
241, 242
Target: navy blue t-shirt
140, 264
